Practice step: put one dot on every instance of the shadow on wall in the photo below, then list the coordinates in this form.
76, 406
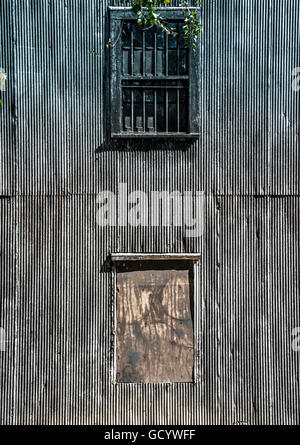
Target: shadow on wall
144, 145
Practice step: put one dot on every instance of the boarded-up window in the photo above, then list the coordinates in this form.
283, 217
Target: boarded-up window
154, 321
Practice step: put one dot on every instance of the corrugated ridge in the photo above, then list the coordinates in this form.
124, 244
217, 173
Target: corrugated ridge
56, 284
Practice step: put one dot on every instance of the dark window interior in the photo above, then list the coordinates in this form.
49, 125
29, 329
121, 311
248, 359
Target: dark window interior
155, 79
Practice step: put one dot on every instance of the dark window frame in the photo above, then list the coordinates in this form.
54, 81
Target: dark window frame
195, 260
117, 15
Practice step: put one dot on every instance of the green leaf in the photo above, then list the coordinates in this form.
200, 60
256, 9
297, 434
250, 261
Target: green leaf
136, 8
148, 14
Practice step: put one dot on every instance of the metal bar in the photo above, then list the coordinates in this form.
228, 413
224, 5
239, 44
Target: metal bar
159, 135
144, 111
146, 78
155, 54
177, 45
131, 51
166, 54
132, 55
155, 111
174, 13
178, 63
155, 76
121, 9
144, 54
178, 117
132, 111
144, 72
167, 111
155, 256
156, 87
167, 71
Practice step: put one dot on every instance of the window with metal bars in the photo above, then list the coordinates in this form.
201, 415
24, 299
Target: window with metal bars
154, 79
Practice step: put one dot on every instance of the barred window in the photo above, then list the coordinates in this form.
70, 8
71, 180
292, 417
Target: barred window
152, 74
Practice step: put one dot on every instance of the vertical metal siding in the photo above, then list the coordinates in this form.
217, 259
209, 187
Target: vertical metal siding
8, 275
56, 285
7, 110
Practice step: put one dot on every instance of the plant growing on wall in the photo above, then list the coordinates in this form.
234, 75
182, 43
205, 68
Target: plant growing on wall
148, 14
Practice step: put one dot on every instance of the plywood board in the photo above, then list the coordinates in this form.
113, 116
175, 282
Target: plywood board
154, 322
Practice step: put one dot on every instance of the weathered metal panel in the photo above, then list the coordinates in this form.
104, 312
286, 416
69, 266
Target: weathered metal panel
7, 109
284, 309
56, 107
41, 97
61, 311
62, 346
41, 314
235, 92
8, 302
242, 312
56, 281
284, 103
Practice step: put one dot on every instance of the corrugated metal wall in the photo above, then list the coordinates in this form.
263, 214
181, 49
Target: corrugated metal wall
56, 286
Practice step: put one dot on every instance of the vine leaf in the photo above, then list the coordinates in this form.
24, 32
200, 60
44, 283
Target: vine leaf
148, 15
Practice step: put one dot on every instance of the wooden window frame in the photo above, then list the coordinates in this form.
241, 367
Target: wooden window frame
118, 14
195, 260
